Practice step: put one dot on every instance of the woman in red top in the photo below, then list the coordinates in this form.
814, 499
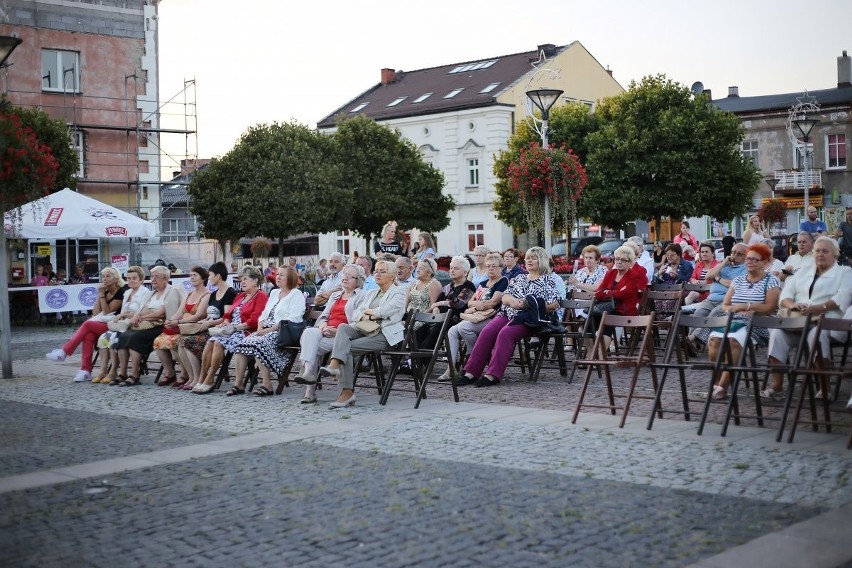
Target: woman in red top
686, 237
247, 307
623, 284
706, 261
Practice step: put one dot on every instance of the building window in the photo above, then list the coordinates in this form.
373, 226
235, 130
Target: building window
749, 150
60, 71
77, 145
836, 150
473, 172
144, 192
359, 107
475, 235
453, 93
397, 100
342, 242
421, 98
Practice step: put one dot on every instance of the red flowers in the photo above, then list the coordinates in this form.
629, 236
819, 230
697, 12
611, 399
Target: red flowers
27, 168
555, 172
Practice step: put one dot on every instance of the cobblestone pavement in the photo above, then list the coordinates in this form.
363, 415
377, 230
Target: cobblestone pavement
90, 474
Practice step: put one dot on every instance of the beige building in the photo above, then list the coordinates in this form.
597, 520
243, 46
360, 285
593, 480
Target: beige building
460, 115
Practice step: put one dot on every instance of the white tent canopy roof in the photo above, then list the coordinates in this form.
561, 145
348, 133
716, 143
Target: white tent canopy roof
67, 214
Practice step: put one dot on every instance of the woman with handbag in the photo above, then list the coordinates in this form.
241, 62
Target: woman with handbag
480, 309
823, 288
284, 307
191, 347
110, 293
496, 342
754, 292
147, 324
111, 370
454, 298
318, 340
194, 309
621, 289
241, 319
381, 314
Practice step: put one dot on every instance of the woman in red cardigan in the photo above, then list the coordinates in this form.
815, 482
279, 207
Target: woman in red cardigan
623, 285
247, 307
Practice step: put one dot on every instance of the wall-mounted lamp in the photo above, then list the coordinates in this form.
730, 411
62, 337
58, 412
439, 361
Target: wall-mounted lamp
7, 46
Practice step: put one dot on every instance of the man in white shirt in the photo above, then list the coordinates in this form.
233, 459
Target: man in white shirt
331, 284
643, 258
404, 270
804, 255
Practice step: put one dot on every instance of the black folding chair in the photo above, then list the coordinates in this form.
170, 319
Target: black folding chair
577, 328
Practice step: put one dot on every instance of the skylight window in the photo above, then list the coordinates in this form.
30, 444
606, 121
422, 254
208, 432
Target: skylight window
397, 101
421, 98
489, 88
359, 107
453, 93
473, 66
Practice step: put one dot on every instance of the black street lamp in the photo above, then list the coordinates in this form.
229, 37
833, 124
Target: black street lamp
805, 125
772, 182
544, 99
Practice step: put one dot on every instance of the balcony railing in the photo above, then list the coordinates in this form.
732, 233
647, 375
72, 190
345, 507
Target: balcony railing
793, 180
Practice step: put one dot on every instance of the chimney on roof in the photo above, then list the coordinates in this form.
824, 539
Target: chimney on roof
608, 70
388, 76
548, 48
733, 91
844, 71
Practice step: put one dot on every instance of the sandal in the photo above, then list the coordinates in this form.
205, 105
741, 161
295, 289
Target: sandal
130, 382
263, 391
309, 399
176, 384
202, 389
166, 381
117, 381
233, 391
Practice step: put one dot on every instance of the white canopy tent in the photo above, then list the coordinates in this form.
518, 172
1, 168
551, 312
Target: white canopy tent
67, 214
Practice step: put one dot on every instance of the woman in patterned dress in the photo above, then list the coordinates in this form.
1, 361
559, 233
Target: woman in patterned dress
243, 318
496, 343
426, 290
285, 303
589, 277
191, 347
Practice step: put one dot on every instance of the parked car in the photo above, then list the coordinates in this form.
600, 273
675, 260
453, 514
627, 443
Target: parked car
608, 247
559, 249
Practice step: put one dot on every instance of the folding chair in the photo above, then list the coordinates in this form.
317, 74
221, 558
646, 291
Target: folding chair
422, 359
660, 287
311, 316
794, 324
664, 304
576, 328
676, 357
641, 328
819, 367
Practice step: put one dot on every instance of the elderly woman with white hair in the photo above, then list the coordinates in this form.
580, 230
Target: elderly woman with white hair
478, 274
453, 298
823, 288
385, 305
497, 341
319, 340
426, 290
110, 294
147, 323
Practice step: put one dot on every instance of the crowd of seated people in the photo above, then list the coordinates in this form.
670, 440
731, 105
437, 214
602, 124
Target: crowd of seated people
490, 299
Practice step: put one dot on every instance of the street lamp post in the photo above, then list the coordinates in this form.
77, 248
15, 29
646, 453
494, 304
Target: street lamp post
7, 46
772, 182
805, 125
544, 99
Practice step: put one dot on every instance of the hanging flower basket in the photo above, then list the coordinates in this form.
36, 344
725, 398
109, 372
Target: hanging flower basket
555, 172
260, 247
27, 168
773, 211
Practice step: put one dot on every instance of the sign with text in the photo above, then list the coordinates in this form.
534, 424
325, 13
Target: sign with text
43, 250
120, 262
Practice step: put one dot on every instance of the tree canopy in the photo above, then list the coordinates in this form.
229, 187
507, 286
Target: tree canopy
279, 180
55, 135
389, 179
659, 151
568, 124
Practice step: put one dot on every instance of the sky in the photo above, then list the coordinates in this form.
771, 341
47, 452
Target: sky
263, 61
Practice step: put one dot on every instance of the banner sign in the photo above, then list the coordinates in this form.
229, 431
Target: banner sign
43, 250
799, 202
68, 298
120, 262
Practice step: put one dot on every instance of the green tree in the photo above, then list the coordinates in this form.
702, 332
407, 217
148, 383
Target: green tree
279, 180
659, 151
568, 124
55, 135
389, 180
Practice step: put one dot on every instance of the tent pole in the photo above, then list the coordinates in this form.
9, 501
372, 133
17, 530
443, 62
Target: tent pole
5, 326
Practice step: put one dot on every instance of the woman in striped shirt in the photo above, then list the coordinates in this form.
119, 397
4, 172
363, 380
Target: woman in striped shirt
754, 292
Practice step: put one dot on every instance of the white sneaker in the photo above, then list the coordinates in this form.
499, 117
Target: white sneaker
445, 377
57, 355
82, 376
